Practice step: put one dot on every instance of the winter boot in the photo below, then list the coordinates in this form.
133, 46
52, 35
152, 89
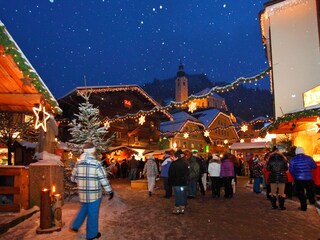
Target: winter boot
176, 210
281, 203
274, 202
182, 209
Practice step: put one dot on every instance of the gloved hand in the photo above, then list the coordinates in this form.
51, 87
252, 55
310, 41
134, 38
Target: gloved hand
110, 195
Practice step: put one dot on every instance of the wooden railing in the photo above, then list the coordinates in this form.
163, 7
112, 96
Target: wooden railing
19, 189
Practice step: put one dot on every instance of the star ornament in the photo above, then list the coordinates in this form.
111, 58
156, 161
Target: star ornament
142, 120
70, 155
244, 128
26, 81
192, 107
41, 117
186, 135
107, 125
206, 133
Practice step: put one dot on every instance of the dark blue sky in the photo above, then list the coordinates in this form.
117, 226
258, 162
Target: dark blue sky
134, 41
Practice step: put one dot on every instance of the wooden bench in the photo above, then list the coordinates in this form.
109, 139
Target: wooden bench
141, 184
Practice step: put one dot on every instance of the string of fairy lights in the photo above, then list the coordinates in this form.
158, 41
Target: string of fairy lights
141, 115
206, 132
189, 102
30, 76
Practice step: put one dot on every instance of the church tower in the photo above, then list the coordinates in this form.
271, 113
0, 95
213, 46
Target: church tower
181, 85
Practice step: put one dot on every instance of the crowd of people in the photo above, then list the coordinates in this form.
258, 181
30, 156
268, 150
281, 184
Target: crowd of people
184, 173
281, 174
284, 175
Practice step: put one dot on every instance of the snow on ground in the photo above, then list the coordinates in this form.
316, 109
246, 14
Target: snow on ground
27, 229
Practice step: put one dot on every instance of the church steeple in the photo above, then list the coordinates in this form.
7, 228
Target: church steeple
181, 84
181, 72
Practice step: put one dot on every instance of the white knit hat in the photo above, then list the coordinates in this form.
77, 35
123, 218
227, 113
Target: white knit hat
214, 156
89, 148
299, 150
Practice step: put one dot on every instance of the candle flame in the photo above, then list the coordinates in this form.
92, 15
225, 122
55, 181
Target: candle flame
53, 189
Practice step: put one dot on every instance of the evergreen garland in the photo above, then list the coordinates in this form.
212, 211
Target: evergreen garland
288, 117
27, 71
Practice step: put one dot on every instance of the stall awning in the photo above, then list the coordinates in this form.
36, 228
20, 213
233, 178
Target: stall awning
293, 122
21, 88
255, 145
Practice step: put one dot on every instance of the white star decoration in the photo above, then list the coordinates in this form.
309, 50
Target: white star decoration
142, 120
192, 107
44, 117
107, 125
206, 133
186, 135
244, 128
70, 155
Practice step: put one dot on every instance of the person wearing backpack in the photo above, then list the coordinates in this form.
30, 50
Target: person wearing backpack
194, 171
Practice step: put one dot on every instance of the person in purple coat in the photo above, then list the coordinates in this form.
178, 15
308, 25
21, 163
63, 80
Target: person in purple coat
227, 174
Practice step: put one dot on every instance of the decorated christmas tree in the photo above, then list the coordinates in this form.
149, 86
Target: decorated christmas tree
89, 127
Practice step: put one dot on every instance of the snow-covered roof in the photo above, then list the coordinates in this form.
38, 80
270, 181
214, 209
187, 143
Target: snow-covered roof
27, 144
206, 90
261, 118
207, 116
180, 119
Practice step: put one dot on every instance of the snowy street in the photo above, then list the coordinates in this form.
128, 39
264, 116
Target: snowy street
132, 214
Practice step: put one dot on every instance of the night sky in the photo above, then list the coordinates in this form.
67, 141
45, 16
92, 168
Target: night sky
134, 41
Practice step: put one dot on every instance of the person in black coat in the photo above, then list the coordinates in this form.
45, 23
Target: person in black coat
178, 177
277, 166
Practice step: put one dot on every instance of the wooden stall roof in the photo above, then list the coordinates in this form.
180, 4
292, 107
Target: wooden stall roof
293, 122
20, 85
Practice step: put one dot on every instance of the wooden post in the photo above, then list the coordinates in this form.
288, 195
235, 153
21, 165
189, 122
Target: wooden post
45, 209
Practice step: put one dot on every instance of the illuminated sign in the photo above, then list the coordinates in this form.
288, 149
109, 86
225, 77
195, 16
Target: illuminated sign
312, 97
127, 103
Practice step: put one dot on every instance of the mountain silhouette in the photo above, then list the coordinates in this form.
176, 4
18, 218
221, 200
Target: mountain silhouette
245, 103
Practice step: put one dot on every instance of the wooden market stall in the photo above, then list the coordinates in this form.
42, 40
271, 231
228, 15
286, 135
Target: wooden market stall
304, 130
22, 93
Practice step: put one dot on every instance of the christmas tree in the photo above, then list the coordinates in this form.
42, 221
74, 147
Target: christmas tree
89, 127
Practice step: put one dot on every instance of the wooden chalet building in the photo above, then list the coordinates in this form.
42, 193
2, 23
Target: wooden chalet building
184, 132
122, 106
24, 95
220, 127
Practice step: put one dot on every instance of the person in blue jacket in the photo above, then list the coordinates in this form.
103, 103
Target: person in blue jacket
301, 169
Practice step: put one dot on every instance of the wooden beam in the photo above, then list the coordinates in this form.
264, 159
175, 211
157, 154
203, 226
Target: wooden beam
19, 98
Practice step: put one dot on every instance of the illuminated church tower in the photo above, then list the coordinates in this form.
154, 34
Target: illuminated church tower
181, 85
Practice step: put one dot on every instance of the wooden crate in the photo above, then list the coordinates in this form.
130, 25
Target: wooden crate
141, 184
19, 190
